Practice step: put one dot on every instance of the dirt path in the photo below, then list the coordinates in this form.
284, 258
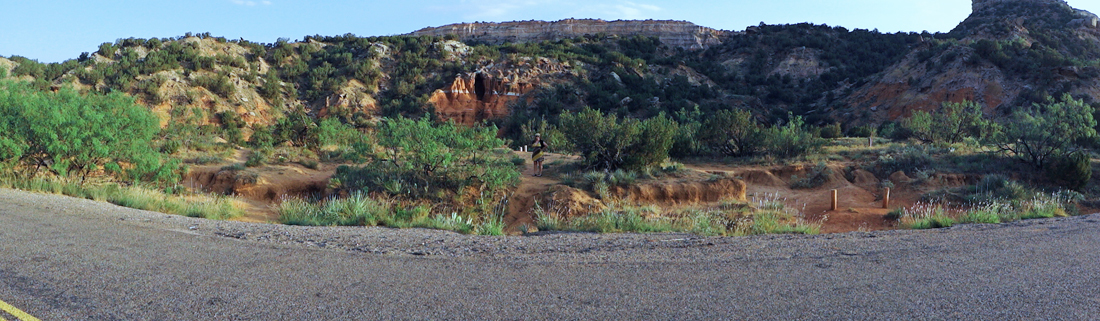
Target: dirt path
858, 208
522, 203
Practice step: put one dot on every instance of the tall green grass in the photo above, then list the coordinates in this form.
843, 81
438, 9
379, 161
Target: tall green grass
139, 197
361, 210
767, 215
1039, 205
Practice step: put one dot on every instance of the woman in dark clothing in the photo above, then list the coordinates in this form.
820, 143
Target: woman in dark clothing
538, 148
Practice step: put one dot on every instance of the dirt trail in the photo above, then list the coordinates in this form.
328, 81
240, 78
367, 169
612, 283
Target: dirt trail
522, 203
859, 207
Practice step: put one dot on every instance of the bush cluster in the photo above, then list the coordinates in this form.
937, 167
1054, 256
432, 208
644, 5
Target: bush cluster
420, 159
74, 135
608, 142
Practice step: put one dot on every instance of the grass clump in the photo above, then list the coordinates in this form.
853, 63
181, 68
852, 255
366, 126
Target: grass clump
356, 209
138, 197
1039, 205
361, 210
767, 216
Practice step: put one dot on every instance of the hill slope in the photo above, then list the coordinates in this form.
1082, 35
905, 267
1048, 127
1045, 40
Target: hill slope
1006, 54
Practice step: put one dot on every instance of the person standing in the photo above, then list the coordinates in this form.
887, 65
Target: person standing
538, 148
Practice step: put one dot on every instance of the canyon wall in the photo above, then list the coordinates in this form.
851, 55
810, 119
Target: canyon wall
681, 34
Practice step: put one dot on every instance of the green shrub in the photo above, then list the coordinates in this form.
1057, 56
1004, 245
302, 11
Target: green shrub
356, 209
996, 187
1048, 131
419, 159
791, 140
232, 124
170, 146
894, 215
218, 84
79, 135
261, 137
235, 167
907, 158
981, 216
733, 133
332, 132
256, 158
831, 131
606, 142
207, 160
862, 131
951, 124
1072, 171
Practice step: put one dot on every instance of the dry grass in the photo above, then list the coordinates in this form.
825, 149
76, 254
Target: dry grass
139, 197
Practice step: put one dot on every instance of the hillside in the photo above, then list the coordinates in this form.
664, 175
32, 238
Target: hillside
1008, 53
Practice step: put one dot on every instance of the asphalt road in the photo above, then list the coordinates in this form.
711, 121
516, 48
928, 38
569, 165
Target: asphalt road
68, 259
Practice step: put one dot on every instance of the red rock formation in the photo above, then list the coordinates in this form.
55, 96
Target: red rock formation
474, 97
487, 93
672, 33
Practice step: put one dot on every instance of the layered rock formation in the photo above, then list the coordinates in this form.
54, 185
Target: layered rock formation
681, 34
979, 5
488, 92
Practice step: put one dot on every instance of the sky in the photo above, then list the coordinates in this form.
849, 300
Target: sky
54, 31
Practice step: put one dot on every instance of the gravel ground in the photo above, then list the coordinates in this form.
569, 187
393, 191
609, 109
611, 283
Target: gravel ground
64, 258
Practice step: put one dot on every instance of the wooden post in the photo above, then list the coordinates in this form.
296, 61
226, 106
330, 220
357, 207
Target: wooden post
870, 141
886, 198
834, 207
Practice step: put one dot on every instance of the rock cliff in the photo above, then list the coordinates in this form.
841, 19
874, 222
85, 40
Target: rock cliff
681, 34
487, 92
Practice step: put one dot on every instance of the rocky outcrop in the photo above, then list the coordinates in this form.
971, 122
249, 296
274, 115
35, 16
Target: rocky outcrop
488, 92
6, 66
979, 5
960, 72
354, 98
680, 34
910, 86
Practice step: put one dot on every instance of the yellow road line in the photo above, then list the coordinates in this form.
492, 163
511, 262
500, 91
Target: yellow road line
23, 316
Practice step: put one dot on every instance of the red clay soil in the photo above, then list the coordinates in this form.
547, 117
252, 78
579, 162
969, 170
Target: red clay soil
270, 185
859, 199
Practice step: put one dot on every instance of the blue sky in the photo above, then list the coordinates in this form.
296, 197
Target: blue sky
53, 30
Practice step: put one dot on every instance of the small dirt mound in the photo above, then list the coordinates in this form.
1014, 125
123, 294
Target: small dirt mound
683, 192
761, 177
899, 177
267, 185
954, 180
863, 178
569, 202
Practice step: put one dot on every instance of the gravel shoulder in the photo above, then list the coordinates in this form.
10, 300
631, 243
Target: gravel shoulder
65, 258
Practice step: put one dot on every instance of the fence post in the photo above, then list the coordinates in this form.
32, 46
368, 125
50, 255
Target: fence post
834, 207
886, 198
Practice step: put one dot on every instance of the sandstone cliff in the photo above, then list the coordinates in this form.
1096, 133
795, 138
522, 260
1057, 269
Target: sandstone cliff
488, 92
681, 34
